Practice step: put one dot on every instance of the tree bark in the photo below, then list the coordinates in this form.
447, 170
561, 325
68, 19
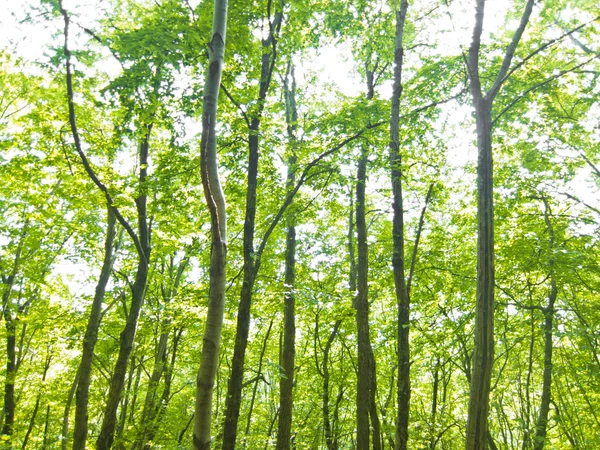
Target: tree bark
361, 304
138, 291
288, 352
483, 352
542, 420
251, 258
398, 263
215, 200
91, 337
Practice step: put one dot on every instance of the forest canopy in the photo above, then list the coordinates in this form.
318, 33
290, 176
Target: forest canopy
300, 224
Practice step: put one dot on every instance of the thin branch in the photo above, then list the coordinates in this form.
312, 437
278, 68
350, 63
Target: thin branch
538, 85
301, 181
75, 131
510, 51
237, 105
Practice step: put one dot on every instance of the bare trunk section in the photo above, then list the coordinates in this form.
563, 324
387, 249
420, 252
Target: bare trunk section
91, 337
483, 352
330, 436
215, 200
398, 263
65, 425
361, 304
288, 352
138, 291
251, 258
541, 424
11, 372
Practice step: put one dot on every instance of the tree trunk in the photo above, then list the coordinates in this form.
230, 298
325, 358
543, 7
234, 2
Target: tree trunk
152, 400
330, 436
251, 259
11, 372
65, 425
286, 377
401, 291
215, 200
91, 337
37, 401
361, 304
138, 291
483, 352
542, 420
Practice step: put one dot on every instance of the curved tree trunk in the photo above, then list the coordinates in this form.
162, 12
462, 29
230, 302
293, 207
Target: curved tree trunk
215, 200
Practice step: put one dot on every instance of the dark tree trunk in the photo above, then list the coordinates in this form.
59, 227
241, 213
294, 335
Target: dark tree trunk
542, 420
138, 291
398, 262
288, 352
65, 425
361, 304
91, 337
153, 401
251, 259
11, 372
330, 437
483, 352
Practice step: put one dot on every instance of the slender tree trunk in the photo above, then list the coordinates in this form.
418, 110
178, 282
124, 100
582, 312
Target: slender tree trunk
46, 426
398, 262
251, 259
361, 304
138, 291
37, 401
542, 420
215, 200
259, 377
161, 407
483, 352
91, 337
288, 352
152, 400
65, 425
11, 372
330, 436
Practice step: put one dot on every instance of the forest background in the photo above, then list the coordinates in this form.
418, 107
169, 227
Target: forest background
373, 280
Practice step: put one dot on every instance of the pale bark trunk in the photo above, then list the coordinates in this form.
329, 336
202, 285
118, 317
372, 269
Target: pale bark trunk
215, 199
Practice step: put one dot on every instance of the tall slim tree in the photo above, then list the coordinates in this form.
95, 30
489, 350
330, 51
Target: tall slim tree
483, 353
215, 199
398, 262
288, 350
